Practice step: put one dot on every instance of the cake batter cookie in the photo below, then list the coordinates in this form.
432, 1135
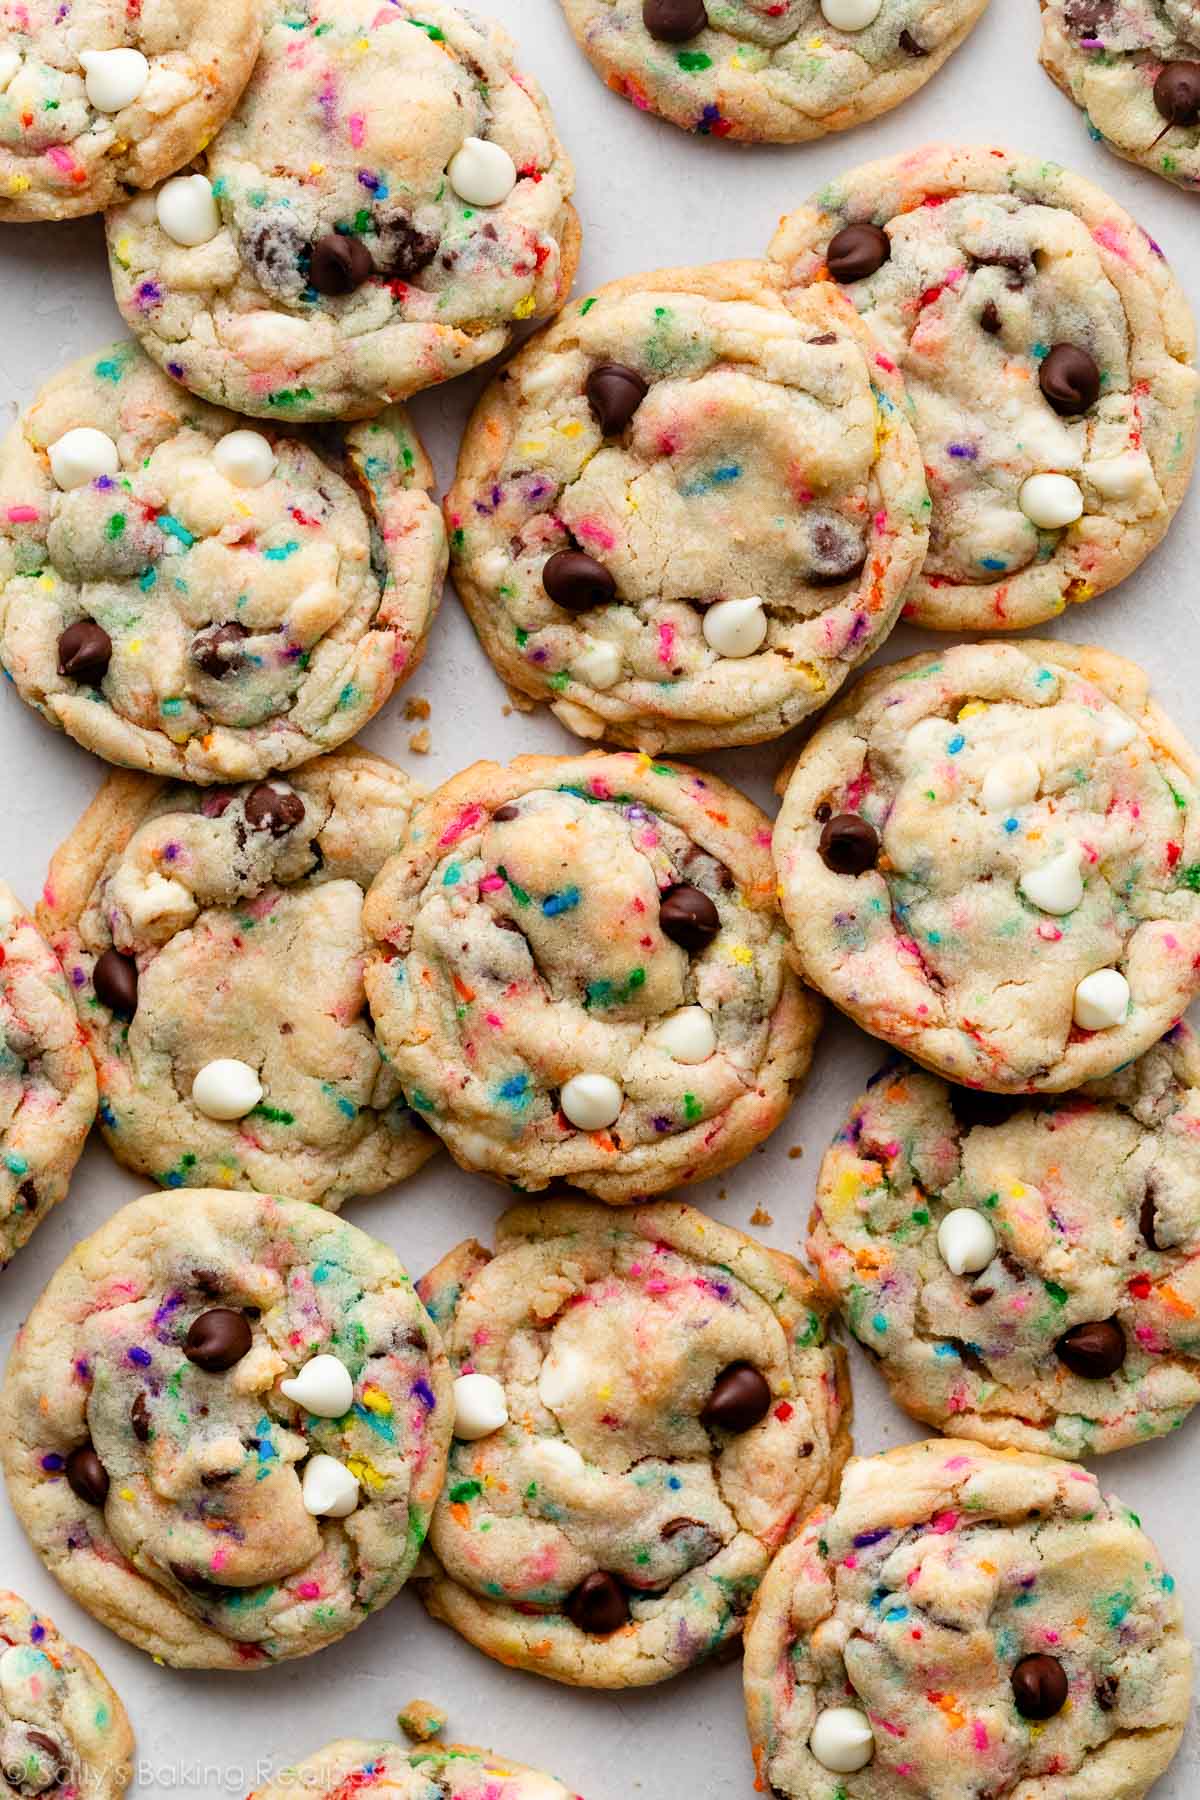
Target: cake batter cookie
62, 1728
579, 974
646, 1407
991, 859
183, 595
967, 1622
1049, 355
682, 515
388, 203
450, 1771
1026, 1273
214, 941
96, 99
47, 1083
225, 1424
778, 71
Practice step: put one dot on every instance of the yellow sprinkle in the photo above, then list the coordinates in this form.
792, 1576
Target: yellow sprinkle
847, 1187
742, 953
816, 43
1018, 1191
572, 430
971, 710
126, 1493
365, 1472
48, 582
605, 1392
531, 448
376, 1401
316, 168
134, 646
18, 184
525, 309
362, 43
123, 251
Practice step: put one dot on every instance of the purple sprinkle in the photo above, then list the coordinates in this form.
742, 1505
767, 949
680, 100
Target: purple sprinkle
964, 452
171, 1304
53, 1463
147, 294
171, 852
140, 1357
865, 1539
83, 1369
368, 179
539, 489
424, 1394
78, 978
104, 483
858, 630
175, 369
661, 1122
538, 656
36, 1633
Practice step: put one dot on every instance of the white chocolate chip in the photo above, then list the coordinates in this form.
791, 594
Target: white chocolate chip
1057, 887
557, 1456
687, 1035
966, 1241
482, 173
1121, 477
563, 1373
115, 78
851, 15
1115, 730
324, 1387
245, 458
329, 1490
842, 1740
736, 628
592, 1101
598, 663
1013, 781
1101, 1000
226, 1089
187, 210
479, 1407
81, 455
1051, 501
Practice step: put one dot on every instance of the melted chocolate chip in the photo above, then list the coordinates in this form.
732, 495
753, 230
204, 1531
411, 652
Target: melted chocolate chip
28, 1196
614, 394
86, 1476
277, 253
598, 1605
849, 845
688, 918
1086, 18
218, 651
273, 808
990, 320
84, 652
1040, 1687
740, 1397
503, 815
115, 983
139, 1419
836, 552
856, 252
339, 264
403, 249
674, 21
1147, 1220
218, 1339
1093, 1351
1177, 93
1108, 1690
910, 46
973, 1106
1070, 380
577, 582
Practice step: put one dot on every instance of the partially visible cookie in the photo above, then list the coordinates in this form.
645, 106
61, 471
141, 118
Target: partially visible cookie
449, 1771
98, 99
646, 1407
183, 595
62, 1728
682, 514
967, 1622
1049, 356
774, 71
387, 205
214, 941
224, 1425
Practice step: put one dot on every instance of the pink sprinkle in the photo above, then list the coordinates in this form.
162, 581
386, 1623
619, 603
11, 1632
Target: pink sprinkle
309, 1590
495, 1021
219, 1559
61, 158
358, 130
466, 821
958, 1462
666, 643
1049, 932
491, 884
597, 532
22, 515
945, 1522
882, 362
981, 1736
851, 1562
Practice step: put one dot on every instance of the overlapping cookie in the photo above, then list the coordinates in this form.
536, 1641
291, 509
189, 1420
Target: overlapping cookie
62, 1728
451, 1771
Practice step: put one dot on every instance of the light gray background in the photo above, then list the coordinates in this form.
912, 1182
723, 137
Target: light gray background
649, 196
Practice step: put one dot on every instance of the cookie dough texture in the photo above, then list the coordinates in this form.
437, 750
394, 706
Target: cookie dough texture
608, 1334
769, 71
248, 943
350, 123
994, 260
203, 1553
326, 577
47, 1083
517, 943
452, 1772
772, 458
942, 1565
1106, 55
1095, 1202
61, 1725
59, 155
936, 948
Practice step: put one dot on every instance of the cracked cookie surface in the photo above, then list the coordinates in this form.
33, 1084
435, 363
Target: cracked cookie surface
62, 1728
449, 1771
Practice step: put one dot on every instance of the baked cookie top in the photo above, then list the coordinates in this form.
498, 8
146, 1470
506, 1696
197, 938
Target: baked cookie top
95, 99
646, 1407
386, 206
1026, 1273
450, 1771
991, 859
183, 595
214, 941
1048, 353
964, 1622
579, 974
62, 1728
778, 71
165, 1474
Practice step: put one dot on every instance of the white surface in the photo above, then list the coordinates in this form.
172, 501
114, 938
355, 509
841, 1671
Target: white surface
648, 196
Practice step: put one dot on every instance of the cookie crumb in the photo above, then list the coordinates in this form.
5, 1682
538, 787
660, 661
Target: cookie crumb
420, 741
417, 708
421, 1720
506, 712
796, 1152
760, 1216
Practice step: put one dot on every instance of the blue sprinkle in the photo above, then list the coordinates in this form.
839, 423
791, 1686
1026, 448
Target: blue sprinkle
174, 529
1011, 825
956, 743
555, 904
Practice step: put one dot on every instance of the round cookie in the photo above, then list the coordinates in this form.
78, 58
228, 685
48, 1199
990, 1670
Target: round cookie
388, 203
579, 974
1025, 1273
991, 859
47, 1083
1134, 68
182, 595
775, 71
163, 1474
62, 1728
668, 1411
966, 1622
97, 99
1048, 353
449, 1771
206, 926
682, 515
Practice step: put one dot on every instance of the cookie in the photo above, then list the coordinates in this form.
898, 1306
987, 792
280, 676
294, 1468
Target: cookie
967, 1622
47, 1083
62, 1728
646, 1407
774, 71
1049, 355
1134, 68
682, 515
98, 99
214, 941
386, 206
224, 1425
579, 974
452, 1772
991, 859
183, 595
1025, 1273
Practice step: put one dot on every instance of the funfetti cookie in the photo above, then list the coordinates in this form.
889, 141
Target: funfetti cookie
966, 1622
682, 514
388, 204
1025, 1272
62, 1728
1049, 356
451, 1771
991, 859
645, 1407
98, 99
213, 938
224, 1425
772, 70
579, 974
182, 594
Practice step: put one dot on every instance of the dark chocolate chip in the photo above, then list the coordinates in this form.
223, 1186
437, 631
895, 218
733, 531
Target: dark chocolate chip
1093, 1351
990, 320
849, 845
28, 1196
836, 552
403, 249
84, 652
740, 1397
1108, 1689
910, 46
598, 1605
973, 1106
826, 337
115, 983
674, 21
856, 252
272, 808
1070, 380
614, 394
673, 1527
1177, 93
1147, 1221
688, 918
87, 1476
218, 1339
577, 582
139, 1418
54, 1754
505, 814
1087, 18
1040, 1687
218, 650
339, 264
